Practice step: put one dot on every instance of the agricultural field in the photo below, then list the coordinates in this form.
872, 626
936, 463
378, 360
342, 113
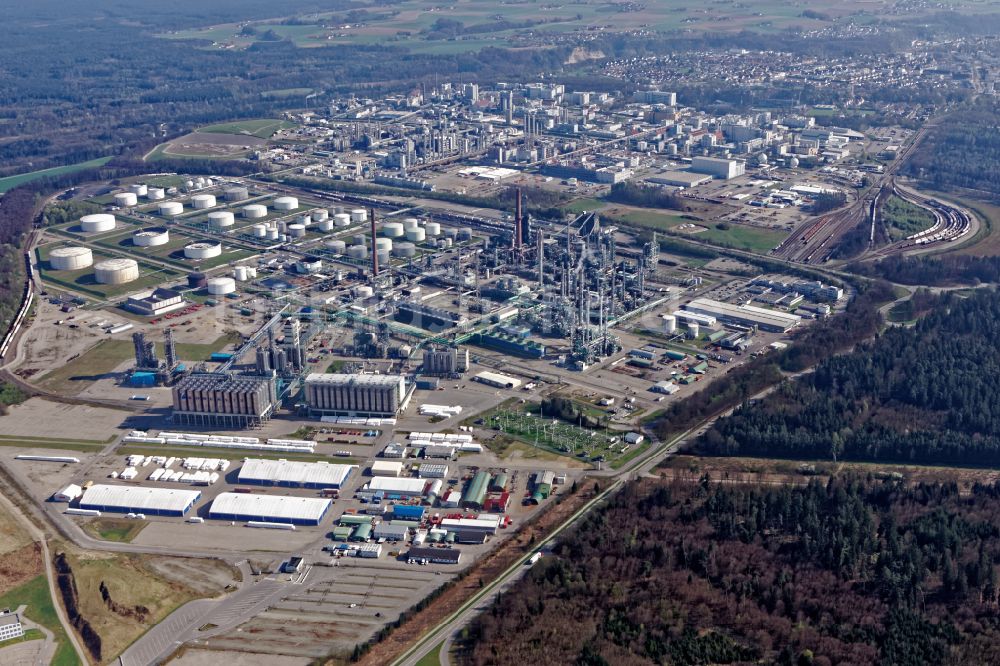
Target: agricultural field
737, 236
261, 129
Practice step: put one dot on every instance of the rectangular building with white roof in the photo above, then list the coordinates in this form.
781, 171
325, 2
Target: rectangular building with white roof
294, 474
135, 499
269, 508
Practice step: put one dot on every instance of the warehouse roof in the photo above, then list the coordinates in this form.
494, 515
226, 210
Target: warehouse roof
391, 484
290, 471
269, 506
746, 313
497, 379
354, 380
139, 498
481, 523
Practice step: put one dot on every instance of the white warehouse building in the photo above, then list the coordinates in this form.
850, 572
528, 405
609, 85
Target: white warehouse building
718, 167
135, 499
397, 487
269, 508
293, 474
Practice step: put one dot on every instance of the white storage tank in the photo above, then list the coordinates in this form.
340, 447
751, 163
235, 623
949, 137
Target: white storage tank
138, 189
286, 203
451, 233
359, 215
325, 225
357, 252
363, 291
669, 324
693, 330
320, 214
392, 230
151, 237
202, 201
336, 246
220, 286
155, 193
259, 230
255, 211
272, 234
464, 234
221, 219
342, 220
447, 242
383, 257
241, 274
71, 258
296, 230
305, 219
417, 235
116, 271
383, 244
410, 223
98, 222
237, 194
405, 249
432, 229
171, 208
126, 199
203, 250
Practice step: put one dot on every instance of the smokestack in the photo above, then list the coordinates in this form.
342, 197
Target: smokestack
517, 221
371, 216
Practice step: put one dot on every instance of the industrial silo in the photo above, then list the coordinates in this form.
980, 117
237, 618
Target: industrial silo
286, 203
116, 271
151, 237
221, 219
171, 208
71, 258
97, 223
203, 250
126, 199
220, 286
202, 201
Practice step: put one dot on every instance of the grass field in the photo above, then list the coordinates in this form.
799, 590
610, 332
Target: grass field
83, 446
284, 93
904, 219
11, 182
737, 236
35, 593
121, 530
432, 658
100, 360
584, 205
262, 129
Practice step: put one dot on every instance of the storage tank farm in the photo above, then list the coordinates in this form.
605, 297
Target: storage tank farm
97, 223
71, 258
116, 271
151, 237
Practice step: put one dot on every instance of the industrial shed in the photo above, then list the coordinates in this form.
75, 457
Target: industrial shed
387, 468
432, 471
270, 509
391, 531
294, 474
407, 512
484, 525
134, 499
435, 555
397, 487
475, 492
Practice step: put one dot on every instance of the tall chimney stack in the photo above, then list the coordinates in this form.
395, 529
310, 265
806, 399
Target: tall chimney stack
371, 216
517, 221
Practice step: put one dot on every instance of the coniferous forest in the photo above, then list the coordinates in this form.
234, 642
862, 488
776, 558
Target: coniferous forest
923, 394
854, 571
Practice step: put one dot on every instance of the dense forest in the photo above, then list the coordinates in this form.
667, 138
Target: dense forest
920, 394
688, 572
962, 151
637, 194
935, 271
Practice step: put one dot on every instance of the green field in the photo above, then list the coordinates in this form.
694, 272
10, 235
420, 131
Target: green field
120, 530
737, 236
903, 218
35, 594
99, 361
262, 129
432, 658
11, 182
584, 206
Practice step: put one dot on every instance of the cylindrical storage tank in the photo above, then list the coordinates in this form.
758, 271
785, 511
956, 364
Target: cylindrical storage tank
447, 242
272, 234
342, 219
251, 272
71, 258
451, 233
240, 273
221, 219
357, 252
339, 210
359, 239
259, 230
197, 280
237, 194
464, 234
305, 219
392, 230
442, 244
383, 244
336, 246
432, 229
296, 230
383, 257
151, 237
359, 215
669, 324
220, 286
255, 211
363, 291
201, 201
404, 249
694, 330
116, 271
417, 235
282, 237
126, 199
155, 193
320, 214
325, 225
410, 223
205, 250
138, 189
286, 203
171, 208
97, 222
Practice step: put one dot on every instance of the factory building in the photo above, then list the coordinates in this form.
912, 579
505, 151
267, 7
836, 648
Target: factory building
543, 486
356, 395
475, 492
155, 302
718, 167
473, 529
428, 317
432, 471
269, 508
745, 315
497, 380
434, 555
391, 531
393, 487
445, 361
294, 474
134, 499
220, 400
